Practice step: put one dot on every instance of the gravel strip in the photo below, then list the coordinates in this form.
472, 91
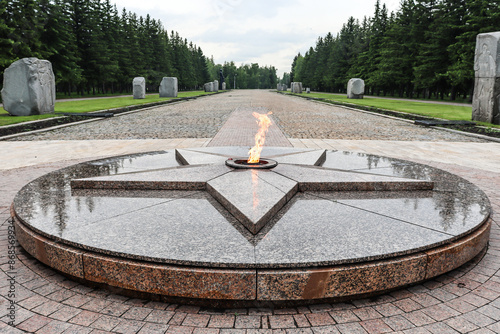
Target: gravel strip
297, 118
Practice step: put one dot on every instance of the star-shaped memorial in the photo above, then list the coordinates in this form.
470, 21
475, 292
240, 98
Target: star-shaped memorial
252, 196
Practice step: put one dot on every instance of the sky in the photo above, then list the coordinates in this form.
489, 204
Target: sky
267, 32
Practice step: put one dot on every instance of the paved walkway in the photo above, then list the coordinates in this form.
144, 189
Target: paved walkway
466, 300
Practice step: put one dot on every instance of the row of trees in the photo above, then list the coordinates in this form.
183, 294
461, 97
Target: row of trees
246, 76
94, 48
425, 48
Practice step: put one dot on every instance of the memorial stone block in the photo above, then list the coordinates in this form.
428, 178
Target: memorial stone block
215, 86
486, 98
139, 88
29, 87
168, 87
223, 86
355, 88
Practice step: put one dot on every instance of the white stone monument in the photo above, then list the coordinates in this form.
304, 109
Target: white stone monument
296, 87
215, 86
223, 86
29, 87
139, 88
486, 98
355, 88
168, 87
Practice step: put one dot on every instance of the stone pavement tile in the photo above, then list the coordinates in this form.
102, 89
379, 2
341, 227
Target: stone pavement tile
478, 319
177, 319
325, 330
442, 294
180, 330
262, 331
419, 330
106, 322
418, 318
398, 322
301, 320
259, 311
61, 295
34, 323
375, 326
367, 313
456, 289
96, 304
483, 331
221, 321
407, 305
461, 324
76, 329
196, 320
387, 309
460, 305
320, 319
440, 328
495, 327
35, 283
127, 326
65, 313
32, 302
440, 312
282, 321
474, 299
303, 309
85, 318
206, 331
116, 309
47, 289
77, 300
156, 305
425, 299
54, 327
136, 313
159, 316
487, 293
153, 329
490, 311
295, 331
351, 328
47, 308
6, 329
247, 321
343, 316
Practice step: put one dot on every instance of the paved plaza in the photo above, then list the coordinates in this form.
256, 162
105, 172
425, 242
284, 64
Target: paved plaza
466, 300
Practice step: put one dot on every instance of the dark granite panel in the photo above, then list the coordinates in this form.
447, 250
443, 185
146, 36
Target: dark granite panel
187, 231
251, 199
341, 281
449, 257
171, 280
321, 179
313, 158
321, 232
177, 178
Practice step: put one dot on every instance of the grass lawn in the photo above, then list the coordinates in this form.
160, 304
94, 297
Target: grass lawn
435, 110
81, 106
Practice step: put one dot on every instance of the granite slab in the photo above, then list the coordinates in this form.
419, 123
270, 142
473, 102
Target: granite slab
251, 199
313, 158
176, 178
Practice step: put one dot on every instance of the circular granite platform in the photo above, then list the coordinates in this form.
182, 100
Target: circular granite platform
322, 225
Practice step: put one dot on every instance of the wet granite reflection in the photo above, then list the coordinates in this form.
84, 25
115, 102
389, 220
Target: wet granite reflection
312, 228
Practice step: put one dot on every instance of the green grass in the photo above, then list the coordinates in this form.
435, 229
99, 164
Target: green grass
82, 106
435, 110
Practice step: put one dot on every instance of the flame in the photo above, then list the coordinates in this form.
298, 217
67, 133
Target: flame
264, 123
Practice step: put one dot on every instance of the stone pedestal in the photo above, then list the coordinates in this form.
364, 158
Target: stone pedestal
223, 86
486, 99
29, 87
355, 88
139, 88
168, 87
215, 86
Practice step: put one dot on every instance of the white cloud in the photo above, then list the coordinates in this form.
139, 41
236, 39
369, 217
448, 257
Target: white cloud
258, 31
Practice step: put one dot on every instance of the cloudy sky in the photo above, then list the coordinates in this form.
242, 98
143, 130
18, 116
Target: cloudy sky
268, 32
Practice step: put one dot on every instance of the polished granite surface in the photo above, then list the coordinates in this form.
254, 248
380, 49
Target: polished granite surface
315, 208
